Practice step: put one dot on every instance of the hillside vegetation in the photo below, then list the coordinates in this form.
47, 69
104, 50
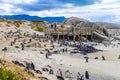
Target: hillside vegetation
10, 71
7, 74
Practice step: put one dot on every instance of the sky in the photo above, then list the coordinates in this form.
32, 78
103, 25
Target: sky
92, 10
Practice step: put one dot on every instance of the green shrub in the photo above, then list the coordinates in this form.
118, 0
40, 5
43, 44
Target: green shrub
40, 29
7, 74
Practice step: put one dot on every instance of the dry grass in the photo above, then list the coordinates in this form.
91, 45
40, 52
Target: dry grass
20, 72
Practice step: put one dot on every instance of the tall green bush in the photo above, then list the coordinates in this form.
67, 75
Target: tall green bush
7, 74
40, 29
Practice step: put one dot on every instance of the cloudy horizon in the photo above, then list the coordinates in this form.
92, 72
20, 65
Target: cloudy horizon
93, 10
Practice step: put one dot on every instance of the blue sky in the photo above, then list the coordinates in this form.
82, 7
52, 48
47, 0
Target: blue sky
93, 10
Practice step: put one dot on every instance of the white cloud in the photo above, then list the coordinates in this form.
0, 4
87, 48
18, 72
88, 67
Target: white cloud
68, 5
19, 1
107, 9
8, 9
91, 10
109, 1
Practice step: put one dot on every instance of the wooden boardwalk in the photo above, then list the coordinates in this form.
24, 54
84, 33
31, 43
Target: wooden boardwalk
76, 31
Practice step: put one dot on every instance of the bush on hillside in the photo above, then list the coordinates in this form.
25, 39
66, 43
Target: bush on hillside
40, 29
7, 74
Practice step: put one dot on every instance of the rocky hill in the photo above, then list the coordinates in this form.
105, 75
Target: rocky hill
100, 32
109, 25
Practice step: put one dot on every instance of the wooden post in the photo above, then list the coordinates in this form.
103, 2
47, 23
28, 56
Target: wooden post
63, 33
92, 30
58, 34
68, 34
81, 34
86, 32
74, 34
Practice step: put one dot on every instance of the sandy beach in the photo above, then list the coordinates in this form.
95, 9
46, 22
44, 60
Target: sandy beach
98, 69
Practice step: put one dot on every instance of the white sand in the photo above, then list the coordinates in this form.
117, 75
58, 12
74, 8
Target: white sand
76, 63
